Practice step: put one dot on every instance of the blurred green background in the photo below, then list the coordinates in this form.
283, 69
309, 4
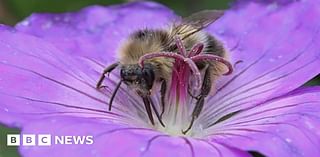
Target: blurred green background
12, 11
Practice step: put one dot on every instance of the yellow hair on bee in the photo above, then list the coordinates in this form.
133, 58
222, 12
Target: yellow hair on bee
143, 42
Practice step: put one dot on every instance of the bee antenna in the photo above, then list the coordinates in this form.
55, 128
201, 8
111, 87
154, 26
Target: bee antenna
215, 58
114, 94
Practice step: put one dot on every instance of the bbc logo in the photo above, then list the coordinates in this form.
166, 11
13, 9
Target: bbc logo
28, 140
46, 139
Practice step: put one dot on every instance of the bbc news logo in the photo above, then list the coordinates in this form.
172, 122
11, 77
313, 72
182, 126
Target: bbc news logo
46, 140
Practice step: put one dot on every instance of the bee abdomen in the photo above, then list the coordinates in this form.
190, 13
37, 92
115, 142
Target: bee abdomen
215, 47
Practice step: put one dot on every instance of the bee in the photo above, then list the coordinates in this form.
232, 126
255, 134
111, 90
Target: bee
158, 70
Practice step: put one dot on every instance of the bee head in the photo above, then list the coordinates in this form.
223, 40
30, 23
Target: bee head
140, 79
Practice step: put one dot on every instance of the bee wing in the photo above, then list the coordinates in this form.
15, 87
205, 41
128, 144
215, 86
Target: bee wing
196, 22
202, 19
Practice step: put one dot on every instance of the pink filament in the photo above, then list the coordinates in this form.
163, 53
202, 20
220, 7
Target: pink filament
195, 72
176, 56
180, 46
215, 58
160, 54
197, 49
190, 59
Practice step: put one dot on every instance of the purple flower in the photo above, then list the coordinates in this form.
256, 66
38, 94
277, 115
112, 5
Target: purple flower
50, 63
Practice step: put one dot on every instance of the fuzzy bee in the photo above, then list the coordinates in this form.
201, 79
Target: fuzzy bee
158, 68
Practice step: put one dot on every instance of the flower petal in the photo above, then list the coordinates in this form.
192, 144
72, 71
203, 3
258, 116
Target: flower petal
115, 140
277, 50
96, 31
37, 80
286, 126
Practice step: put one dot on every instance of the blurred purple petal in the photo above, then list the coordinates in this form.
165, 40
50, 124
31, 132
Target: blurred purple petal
96, 31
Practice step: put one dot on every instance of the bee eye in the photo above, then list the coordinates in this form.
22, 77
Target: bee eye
148, 74
122, 73
149, 77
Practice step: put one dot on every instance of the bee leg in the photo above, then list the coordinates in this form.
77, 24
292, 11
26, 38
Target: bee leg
192, 96
156, 111
106, 71
114, 94
163, 95
196, 112
205, 90
148, 108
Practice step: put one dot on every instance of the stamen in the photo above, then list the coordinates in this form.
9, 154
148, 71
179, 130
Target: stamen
160, 54
215, 58
181, 48
195, 72
196, 49
176, 56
